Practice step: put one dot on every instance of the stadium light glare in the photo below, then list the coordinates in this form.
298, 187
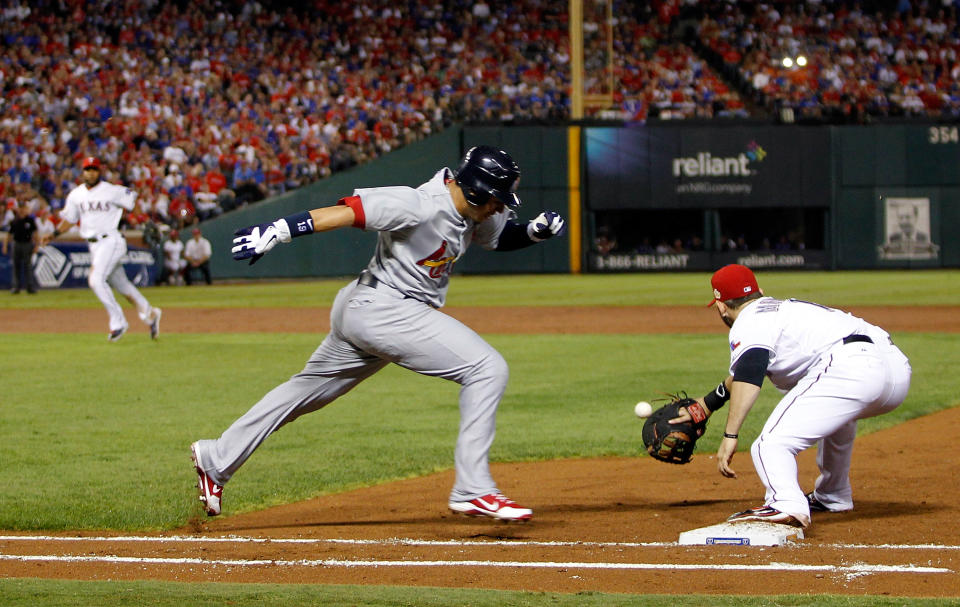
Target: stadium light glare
787, 62
801, 61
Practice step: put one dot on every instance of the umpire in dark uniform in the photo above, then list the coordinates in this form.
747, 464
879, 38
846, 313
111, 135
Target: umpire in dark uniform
23, 232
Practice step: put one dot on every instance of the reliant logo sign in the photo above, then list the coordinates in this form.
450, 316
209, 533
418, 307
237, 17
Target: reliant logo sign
704, 164
694, 168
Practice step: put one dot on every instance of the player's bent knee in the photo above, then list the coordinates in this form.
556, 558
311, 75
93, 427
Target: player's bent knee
773, 443
492, 367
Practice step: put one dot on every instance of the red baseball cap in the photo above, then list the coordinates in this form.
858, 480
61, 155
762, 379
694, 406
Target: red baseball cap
91, 162
732, 282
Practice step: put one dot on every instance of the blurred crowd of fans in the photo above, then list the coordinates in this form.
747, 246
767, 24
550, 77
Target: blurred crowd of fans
207, 105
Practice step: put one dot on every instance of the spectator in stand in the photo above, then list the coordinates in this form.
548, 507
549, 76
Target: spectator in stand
248, 182
45, 225
207, 203
134, 220
605, 241
197, 252
182, 211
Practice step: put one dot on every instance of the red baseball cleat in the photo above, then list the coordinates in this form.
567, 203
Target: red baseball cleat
768, 514
210, 492
495, 505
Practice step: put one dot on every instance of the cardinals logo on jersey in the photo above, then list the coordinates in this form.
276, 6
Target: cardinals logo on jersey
438, 262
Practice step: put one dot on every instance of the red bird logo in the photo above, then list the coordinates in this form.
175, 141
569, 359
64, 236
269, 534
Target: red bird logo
437, 262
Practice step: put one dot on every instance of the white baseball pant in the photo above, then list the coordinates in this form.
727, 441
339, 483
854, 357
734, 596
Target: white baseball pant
106, 270
850, 382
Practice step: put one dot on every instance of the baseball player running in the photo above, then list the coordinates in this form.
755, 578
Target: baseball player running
391, 314
98, 207
833, 369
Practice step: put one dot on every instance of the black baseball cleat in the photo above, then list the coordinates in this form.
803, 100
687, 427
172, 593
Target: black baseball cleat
815, 504
116, 334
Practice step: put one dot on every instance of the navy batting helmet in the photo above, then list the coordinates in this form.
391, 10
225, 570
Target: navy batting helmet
485, 172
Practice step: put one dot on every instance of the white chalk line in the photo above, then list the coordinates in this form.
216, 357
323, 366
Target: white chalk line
859, 569
417, 542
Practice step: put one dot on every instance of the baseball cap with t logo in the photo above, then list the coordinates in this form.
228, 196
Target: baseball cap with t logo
732, 282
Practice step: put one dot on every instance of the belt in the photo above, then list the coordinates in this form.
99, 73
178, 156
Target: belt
849, 339
368, 280
98, 237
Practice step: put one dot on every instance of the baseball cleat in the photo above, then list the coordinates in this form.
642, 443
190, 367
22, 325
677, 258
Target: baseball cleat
815, 504
210, 492
495, 505
155, 324
767, 514
116, 334
818, 506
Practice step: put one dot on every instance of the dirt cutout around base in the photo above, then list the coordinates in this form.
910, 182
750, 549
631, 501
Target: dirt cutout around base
600, 524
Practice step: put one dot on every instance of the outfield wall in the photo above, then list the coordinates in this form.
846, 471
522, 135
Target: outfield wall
846, 189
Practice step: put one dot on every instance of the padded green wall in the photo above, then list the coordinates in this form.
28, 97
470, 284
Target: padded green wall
540, 152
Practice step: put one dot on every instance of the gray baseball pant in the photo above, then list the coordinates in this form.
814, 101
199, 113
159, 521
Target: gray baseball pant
371, 327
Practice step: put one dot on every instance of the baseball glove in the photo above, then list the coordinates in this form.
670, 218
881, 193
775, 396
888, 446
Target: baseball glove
674, 443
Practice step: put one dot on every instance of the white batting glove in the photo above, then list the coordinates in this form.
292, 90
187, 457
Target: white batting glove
546, 225
253, 242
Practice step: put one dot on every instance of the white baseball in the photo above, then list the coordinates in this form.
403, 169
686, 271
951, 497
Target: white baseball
643, 409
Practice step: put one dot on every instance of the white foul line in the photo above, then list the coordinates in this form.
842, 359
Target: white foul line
847, 570
416, 542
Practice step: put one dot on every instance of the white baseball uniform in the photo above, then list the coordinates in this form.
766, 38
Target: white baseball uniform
834, 369
98, 211
390, 315
173, 259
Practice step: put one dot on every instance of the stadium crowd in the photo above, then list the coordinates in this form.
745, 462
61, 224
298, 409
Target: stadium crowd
208, 105
837, 61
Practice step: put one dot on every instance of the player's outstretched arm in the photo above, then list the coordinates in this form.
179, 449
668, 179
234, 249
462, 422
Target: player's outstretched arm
253, 242
517, 235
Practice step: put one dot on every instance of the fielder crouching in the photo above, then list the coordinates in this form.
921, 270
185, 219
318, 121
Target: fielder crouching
833, 369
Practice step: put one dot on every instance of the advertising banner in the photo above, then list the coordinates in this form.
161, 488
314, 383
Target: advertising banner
707, 261
703, 167
67, 264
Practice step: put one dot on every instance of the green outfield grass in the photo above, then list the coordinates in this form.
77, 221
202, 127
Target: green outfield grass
894, 287
109, 425
101, 417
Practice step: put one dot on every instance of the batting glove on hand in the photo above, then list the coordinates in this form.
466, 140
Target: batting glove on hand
253, 242
546, 225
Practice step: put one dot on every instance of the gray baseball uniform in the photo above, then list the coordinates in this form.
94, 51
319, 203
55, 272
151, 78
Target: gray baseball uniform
390, 314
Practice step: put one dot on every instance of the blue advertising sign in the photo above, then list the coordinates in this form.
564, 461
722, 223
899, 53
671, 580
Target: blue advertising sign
67, 264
